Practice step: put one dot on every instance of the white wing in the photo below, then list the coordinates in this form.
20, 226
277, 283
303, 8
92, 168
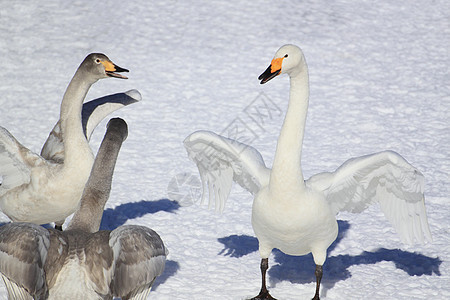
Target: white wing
386, 178
16, 162
23, 251
221, 160
139, 257
92, 114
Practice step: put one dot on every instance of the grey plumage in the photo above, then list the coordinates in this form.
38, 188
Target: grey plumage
23, 253
120, 263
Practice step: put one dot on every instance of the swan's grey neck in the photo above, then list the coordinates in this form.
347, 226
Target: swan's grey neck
98, 187
286, 170
70, 116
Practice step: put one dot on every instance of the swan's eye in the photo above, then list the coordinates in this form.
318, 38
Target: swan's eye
286, 55
98, 60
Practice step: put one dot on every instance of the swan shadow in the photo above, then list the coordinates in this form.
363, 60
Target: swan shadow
170, 269
240, 245
300, 269
115, 217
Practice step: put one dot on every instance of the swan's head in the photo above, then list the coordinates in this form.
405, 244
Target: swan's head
289, 59
119, 127
101, 66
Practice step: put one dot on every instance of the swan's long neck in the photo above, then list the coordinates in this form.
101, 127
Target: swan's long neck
75, 143
98, 187
286, 170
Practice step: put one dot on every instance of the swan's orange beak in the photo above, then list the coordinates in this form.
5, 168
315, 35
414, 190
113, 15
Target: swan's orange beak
272, 71
111, 68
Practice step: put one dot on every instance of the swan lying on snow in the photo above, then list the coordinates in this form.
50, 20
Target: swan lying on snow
297, 216
38, 190
82, 262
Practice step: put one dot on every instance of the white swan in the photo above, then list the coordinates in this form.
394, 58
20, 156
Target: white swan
297, 216
93, 112
40, 191
82, 262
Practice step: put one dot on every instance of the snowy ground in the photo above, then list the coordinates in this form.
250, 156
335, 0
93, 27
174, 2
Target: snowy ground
379, 75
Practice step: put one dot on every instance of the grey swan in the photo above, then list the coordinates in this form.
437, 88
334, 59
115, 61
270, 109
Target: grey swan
82, 262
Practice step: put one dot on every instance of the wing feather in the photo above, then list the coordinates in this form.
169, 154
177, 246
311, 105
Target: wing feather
92, 114
385, 178
16, 162
139, 257
23, 252
221, 161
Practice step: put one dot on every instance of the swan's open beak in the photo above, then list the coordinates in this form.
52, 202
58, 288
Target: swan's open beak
111, 70
272, 71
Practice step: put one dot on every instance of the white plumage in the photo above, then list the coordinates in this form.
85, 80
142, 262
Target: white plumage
298, 216
48, 188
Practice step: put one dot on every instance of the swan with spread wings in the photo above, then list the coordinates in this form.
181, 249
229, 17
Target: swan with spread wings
297, 216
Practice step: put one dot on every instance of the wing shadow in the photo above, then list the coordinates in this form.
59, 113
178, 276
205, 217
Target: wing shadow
115, 217
170, 269
300, 269
240, 245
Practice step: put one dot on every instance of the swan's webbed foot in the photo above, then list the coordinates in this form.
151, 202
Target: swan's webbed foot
263, 295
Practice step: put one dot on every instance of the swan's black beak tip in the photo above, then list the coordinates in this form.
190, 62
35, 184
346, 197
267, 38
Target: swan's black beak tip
119, 69
268, 75
112, 71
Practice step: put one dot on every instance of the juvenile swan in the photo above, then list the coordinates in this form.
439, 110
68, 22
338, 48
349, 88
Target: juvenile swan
37, 190
297, 216
82, 262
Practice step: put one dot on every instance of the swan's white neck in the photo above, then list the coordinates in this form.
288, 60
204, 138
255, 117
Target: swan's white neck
75, 143
286, 171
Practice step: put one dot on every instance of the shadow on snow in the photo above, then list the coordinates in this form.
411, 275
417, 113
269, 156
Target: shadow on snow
170, 269
115, 217
300, 269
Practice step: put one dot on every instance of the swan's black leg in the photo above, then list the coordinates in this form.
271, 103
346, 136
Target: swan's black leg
264, 293
319, 273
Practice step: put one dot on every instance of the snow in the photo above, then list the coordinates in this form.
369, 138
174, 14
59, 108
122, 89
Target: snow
379, 75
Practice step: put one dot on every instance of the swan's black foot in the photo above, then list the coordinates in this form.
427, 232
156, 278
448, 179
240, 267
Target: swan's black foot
316, 298
263, 295
58, 227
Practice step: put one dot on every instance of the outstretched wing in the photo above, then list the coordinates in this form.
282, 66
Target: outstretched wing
139, 257
23, 251
92, 114
386, 178
221, 160
16, 162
